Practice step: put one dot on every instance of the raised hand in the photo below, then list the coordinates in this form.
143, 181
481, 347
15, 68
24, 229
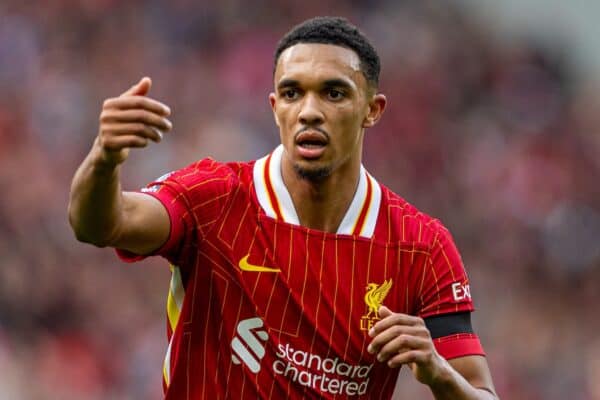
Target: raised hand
130, 120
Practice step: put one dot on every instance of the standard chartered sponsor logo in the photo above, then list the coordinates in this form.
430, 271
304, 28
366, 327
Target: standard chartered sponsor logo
246, 346
321, 374
327, 375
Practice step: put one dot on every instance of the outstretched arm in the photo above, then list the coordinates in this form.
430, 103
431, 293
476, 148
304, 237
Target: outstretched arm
404, 339
99, 212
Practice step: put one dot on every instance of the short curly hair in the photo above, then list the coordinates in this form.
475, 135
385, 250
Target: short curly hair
337, 31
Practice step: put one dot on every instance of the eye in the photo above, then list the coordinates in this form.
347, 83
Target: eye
290, 94
334, 94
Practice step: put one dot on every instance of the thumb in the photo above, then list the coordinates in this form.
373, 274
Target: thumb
139, 89
384, 312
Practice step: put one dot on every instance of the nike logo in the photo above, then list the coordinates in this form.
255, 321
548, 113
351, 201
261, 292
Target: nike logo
246, 266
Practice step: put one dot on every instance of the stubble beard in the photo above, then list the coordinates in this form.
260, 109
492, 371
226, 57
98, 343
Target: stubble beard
312, 174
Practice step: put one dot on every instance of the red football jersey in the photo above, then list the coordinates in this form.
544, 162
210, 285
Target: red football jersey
261, 307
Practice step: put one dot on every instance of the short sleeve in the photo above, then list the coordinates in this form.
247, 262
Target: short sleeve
194, 198
445, 283
446, 291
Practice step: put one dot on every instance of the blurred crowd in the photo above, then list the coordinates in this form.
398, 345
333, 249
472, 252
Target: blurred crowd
499, 139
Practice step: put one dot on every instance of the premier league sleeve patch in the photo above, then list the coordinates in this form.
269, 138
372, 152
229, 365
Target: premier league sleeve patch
155, 186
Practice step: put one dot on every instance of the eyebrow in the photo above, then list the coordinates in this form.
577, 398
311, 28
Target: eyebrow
328, 83
338, 83
288, 83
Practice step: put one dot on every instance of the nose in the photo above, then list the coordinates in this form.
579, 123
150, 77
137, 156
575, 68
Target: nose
310, 113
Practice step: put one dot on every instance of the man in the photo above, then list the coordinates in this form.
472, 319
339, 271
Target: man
282, 266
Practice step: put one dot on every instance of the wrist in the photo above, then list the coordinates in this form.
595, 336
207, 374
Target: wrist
101, 162
443, 375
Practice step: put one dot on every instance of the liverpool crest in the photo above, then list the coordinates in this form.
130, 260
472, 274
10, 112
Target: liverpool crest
373, 298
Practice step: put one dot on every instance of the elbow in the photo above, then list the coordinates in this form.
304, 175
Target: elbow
84, 237
86, 233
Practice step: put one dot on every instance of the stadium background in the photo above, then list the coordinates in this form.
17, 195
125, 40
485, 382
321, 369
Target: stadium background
492, 126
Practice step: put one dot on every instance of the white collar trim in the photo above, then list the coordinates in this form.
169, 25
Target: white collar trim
274, 198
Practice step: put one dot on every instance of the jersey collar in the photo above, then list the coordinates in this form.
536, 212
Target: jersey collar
276, 202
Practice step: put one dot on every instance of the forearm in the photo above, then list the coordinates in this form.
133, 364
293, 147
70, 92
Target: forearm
451, 385
95, 200
99, 212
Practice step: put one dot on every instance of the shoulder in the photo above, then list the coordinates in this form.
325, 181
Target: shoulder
407, 223
208, 167
206, 186
204, 174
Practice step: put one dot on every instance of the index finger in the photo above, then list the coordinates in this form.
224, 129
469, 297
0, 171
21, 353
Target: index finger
394, 319
138, 102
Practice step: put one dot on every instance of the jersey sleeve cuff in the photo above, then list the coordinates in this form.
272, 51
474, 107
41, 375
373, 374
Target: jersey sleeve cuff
458, 345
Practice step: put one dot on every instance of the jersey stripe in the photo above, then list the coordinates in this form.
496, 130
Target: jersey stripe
284, 199
271, 193
260, 189
361, 217
167, 365
358, 224
175, 297
174, 307
373, 207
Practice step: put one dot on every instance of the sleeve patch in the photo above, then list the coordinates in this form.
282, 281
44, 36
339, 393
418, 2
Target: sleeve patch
155, 187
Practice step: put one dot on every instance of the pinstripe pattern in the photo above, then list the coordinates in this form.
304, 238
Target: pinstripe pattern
312, 308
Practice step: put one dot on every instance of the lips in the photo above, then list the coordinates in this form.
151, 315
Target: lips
311, 143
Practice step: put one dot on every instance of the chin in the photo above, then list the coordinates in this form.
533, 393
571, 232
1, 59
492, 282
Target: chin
312, 172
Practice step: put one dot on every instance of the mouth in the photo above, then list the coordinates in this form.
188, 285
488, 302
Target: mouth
311, 143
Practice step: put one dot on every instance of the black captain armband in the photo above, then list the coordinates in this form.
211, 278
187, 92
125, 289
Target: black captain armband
449, 324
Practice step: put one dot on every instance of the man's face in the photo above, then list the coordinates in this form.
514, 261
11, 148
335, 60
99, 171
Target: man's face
322, 103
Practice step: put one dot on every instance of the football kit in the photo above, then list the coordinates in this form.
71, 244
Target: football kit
260, 307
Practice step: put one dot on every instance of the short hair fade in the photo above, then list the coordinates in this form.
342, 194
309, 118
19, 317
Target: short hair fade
336, 31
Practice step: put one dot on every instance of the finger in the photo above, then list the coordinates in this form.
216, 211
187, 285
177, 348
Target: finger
401, 344
394, 319
137, 102
136, 115
406, 357
393, 332
158, 133
136, 128
384, 312
116, 143
139, 89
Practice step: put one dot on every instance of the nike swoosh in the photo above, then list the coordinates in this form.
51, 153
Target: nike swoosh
246, 266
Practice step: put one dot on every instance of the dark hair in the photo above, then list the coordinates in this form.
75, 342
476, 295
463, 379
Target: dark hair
337, 31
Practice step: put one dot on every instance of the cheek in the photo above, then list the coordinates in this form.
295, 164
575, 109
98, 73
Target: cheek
350, 117
284, 115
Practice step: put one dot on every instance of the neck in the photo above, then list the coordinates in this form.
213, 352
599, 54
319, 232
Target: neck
322, 204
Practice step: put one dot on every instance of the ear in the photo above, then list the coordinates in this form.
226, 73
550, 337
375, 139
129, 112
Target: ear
273, 102
376, 107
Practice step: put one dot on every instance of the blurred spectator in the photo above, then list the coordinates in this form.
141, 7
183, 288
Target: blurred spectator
498, 140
